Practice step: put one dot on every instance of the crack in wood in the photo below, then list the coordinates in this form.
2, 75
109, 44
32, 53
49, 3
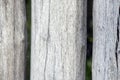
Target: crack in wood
117, 41
47, 41
54, 67
0, 34
6, 4
14, 37
48, 36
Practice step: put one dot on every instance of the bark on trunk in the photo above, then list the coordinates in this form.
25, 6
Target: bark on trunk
58, 40
106, 45
12, 39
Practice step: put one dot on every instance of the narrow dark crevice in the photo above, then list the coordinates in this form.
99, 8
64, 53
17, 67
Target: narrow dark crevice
89, 40
14, 37
117, 40
28, 35
89, 28
47, 41
46, 58
6, 4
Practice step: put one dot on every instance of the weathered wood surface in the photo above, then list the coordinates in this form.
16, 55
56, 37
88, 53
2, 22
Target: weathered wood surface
12, 39
58, 40
106, 45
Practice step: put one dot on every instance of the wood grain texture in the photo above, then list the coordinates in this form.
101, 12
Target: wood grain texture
12, 39
58, 40
106, 45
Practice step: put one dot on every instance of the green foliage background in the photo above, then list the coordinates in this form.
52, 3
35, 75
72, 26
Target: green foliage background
28, 25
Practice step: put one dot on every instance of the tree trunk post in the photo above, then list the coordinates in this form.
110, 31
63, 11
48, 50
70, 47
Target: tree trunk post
106, 45
58, 40
12, 39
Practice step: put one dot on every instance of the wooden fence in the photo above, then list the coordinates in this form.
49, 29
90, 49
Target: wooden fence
59, 40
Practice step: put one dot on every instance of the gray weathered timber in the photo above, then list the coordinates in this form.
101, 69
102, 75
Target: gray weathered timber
58, 40
106, 45
12, 39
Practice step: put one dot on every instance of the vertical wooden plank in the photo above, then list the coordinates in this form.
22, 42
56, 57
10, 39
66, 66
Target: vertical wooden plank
58, 40
106, 40
12, 39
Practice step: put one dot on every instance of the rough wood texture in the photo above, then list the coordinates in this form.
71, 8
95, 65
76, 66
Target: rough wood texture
12, 39
106, 46
58, 40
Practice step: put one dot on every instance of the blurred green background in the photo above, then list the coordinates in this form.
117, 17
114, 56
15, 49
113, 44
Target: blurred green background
28, 25
89, 39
